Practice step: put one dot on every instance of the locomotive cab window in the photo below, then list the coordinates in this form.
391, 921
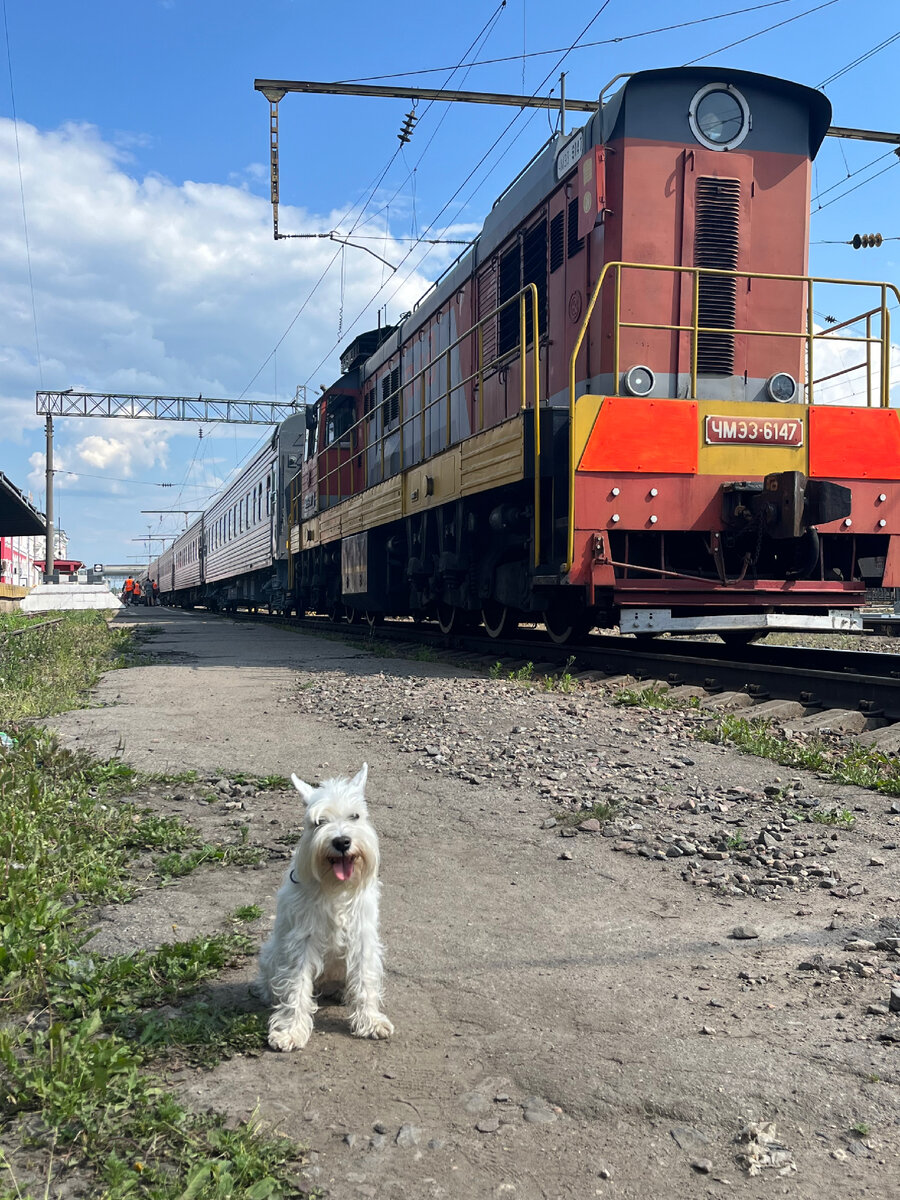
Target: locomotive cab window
338, 419
719, 116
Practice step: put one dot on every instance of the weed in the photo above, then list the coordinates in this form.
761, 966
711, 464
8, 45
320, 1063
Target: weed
50, 668
495, 671
175, 865
736, 841
835, 816
78, 1077
861, 1129
247, 912
201, 1032
420, 654
856, 765
653, 696
564, 682
273, 783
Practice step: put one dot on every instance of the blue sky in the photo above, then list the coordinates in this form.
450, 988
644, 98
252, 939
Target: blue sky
143, 153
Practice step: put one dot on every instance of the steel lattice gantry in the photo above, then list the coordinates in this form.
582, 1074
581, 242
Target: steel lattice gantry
162, 408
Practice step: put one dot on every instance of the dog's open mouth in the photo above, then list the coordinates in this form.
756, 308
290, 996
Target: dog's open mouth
342, 865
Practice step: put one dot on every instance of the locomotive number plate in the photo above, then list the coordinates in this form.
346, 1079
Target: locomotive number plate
736, 431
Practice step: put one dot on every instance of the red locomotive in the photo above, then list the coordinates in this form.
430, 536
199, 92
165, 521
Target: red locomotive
618, 406
610, 410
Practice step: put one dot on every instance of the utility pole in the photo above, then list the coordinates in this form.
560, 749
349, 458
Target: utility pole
49, 553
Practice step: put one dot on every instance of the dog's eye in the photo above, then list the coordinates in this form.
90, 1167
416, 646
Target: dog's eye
319, 821
354, 816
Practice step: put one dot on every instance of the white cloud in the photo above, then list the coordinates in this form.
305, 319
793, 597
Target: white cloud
143, 285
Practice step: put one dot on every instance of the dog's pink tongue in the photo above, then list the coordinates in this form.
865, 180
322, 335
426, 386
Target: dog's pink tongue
343, 868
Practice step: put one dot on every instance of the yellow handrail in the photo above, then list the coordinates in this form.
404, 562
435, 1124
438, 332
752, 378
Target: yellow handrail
695, 329
527, 293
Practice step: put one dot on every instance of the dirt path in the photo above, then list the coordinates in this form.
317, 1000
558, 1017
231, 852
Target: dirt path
571, 1021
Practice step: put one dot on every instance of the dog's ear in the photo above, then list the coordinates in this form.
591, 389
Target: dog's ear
303, 788
358, 782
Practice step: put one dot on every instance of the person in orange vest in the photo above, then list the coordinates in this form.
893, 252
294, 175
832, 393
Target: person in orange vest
136, 593
154, 594
129, 590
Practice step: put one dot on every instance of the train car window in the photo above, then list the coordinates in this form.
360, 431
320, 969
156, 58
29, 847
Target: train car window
557, 241
575, 243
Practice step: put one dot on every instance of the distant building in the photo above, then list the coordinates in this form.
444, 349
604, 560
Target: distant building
21, 540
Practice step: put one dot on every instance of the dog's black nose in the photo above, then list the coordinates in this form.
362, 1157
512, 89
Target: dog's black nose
341, 844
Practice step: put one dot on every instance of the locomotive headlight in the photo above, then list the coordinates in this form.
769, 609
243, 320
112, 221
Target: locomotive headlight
782, 387
638, 381
719, 116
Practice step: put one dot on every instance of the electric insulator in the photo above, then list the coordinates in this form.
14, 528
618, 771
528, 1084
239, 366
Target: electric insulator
866, 240
406, 129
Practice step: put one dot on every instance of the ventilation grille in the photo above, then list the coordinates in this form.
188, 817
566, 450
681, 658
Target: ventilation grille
716, 244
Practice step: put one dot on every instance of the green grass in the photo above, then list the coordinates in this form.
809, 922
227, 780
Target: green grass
81, 1032
564, 682
655, 695
855, 765
52, 668
247, 912
175, 865
835, 816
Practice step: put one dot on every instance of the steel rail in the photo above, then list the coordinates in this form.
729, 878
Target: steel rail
818, 678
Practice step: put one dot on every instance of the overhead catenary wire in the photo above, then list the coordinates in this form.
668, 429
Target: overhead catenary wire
856, 187
448, 202
371, 190
856, 62
851, 175
759, 33
484, 62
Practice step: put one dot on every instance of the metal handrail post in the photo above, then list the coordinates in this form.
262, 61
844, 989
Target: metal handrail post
480, 340
522, 350
810, 342
868, 360
536, 366
695, 331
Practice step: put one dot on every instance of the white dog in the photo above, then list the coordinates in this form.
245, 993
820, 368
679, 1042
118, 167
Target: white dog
326, 922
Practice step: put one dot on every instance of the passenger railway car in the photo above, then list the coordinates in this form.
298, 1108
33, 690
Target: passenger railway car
619, 406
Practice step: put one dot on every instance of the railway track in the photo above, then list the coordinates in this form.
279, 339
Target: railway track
861, 681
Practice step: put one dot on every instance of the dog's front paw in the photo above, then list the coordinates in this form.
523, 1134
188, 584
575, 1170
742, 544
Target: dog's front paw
288, 1039
372, 1025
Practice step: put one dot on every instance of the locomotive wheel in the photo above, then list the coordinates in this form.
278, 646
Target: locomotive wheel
564, 626
451, 618
374, 618
498, 620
